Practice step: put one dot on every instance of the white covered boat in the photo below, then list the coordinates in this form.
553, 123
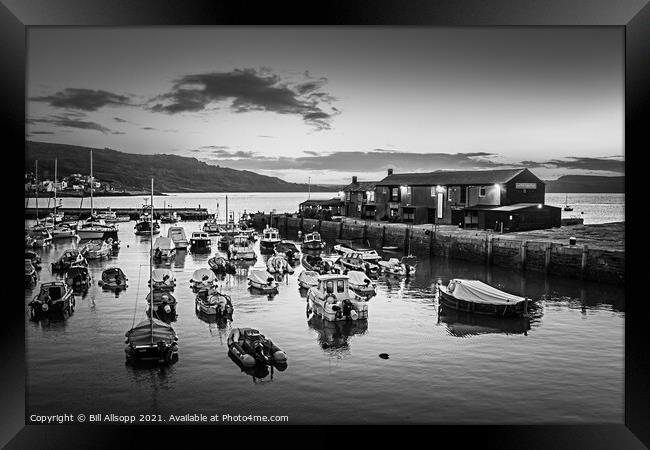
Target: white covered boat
164, 249
203, 279
177, 235
261, 279
361, 284
334, 301
97, 249
367, 254
242, 248
307, 279
163, 279
62, 231
474, 296
279, 265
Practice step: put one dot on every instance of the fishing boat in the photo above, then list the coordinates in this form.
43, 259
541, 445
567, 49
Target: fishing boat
355, 261
200, 242
361, 284
474, 296
164, 250
163, 279
177, 235
55, 297
213, 303
146, 225
333, 300
221, 265
566, 204
97, 249
261, 280
270, 237
30, 273
312, 241
62, 231
69, 258
278, 265
203, 279
113, 278
307, 279
242, 248
163, 304
78, 277
151, 339
34, 258
211, 226
367, 254
250, 347
287, 249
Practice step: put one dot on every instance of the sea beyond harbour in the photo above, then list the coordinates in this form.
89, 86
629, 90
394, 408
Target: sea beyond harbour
593, 208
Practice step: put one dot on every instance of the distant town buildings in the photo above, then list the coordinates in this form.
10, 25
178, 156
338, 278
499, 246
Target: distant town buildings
72, 183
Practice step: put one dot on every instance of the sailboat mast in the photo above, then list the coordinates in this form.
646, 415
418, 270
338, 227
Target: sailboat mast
36, 170
151, 267
92, 182
227, 216
55, 178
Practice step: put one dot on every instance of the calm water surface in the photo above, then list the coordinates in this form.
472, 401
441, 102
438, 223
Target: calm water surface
567, 368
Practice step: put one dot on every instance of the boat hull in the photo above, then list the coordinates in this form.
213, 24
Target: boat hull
268, 247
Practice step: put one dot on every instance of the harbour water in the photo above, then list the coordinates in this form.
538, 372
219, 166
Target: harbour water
594, 208
568, 367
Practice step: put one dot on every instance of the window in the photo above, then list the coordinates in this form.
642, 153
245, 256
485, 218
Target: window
359, 207
393, 212
408, 190
394, 194
408, 214
330, 287
347, 196
360, 197
340, 286
481, 191
370, 195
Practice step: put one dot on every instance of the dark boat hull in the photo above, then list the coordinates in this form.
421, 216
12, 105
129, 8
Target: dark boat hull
267, 247
451, 302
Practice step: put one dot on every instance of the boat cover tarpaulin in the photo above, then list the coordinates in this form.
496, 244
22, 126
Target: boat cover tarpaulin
478, 292
158, 275
162, 297
203, 275
164, 243
309, 276
141, 333
358, 278
260, 276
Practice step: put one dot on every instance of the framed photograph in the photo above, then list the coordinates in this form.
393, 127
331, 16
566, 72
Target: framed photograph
377, 218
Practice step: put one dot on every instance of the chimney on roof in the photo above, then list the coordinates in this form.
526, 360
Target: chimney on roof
390, 171
354, 179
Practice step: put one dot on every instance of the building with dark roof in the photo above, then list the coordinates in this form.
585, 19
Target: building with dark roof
359, 199
458, 197
335, 205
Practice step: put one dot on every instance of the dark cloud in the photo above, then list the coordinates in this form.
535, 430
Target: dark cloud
605, 164
311, 153
148, 128
120, 120
42, 132
266, 136
248, 90
70, 122
217, 147
83, 99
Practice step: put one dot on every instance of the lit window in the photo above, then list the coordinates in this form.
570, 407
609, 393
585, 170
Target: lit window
340, 286
481, 191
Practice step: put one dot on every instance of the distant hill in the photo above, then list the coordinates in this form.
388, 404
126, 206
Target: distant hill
171, 173
586, 184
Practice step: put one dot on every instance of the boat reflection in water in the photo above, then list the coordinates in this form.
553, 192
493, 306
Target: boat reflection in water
179, 260
463, 324
259, 372
334, 337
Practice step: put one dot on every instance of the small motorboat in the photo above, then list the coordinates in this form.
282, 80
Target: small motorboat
355, 261
78, 276
113, 278
397, 268
164, 304
287, 249
260, 279
333, 301
225, 240
211, 226
367, 254
171, 217
317, 264
213, 302
164, 250
307, 279
242, 248
145, 222
30, 273
270, 237
98, 249
62, 231
221, 265
361, 284
69, 257
278, 265
151, 340
40, 237
34, 258
249, 347
474, 296
200, 242
177, 235
95, 228
203, 279
312, 241
163, 279
55, 297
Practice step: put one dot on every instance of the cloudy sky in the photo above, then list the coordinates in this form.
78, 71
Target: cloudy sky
333, 102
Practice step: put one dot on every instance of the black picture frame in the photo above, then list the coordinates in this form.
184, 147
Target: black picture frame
632, 15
